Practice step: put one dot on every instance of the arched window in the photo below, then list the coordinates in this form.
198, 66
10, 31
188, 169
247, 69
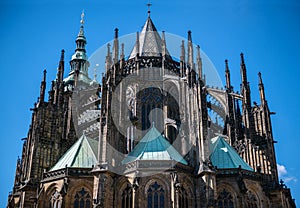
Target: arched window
82, 199
251, 200
183, 198
151, 98
127, 197
56, 200
156, 196
225, 199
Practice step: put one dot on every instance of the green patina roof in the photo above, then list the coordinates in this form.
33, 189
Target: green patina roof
82, 77
153, 146
224, 156
83, 154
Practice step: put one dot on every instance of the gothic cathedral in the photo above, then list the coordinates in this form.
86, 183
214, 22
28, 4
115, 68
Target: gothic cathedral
145, 135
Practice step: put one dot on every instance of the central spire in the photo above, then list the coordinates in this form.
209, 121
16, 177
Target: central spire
149, 42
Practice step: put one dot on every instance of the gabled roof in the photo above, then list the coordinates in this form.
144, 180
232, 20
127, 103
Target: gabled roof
153, 146
82, 154
223, 156
150, 42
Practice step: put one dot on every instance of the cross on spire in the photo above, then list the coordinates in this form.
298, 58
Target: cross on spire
149, 5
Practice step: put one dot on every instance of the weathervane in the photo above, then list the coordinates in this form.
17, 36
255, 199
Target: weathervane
82, 17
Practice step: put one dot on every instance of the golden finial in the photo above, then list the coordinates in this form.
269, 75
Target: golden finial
82, 17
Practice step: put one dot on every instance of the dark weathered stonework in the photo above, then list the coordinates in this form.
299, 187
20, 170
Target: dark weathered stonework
78, 105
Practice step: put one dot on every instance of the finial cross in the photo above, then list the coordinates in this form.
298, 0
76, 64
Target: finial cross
149, 5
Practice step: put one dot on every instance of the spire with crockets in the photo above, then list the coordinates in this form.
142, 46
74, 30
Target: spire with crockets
79, 61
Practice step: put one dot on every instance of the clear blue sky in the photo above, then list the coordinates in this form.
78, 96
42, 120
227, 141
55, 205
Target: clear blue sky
34, 32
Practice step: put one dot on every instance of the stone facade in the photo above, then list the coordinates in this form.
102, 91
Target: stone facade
148, 87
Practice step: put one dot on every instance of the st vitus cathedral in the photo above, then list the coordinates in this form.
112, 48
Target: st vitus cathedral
145, 135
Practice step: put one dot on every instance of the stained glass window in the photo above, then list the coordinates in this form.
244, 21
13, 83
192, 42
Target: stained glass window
82, 199
251, 200
127, 197
156, 196
56, 200
225, 199
183, 198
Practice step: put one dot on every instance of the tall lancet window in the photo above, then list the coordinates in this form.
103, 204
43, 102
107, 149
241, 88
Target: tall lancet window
251, 200
183, 198
156, 196
56, 200
82, 199
127, 197
151, 108
225, 199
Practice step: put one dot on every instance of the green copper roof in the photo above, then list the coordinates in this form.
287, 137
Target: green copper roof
82, 77
153, 146
83, 154
224, 156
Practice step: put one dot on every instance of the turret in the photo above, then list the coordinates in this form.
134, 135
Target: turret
79, 61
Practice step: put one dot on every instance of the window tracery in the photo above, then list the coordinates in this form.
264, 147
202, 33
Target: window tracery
82, 199
56, 200
183, 198
225, 199
127, 197
155, 196
251, 200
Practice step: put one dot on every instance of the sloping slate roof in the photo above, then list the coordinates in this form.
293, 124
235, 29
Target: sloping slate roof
150, 42
153, 146
83, 154
224, 156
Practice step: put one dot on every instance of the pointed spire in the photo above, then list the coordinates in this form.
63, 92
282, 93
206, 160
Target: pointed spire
245, 88
122, 56
61, 67
137, 44
182, 55
261, 89
164, 46
81, 40
227, 75
150, 42
199, 63
108, 58
43, 88
243, 70
116, 46
190, 50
